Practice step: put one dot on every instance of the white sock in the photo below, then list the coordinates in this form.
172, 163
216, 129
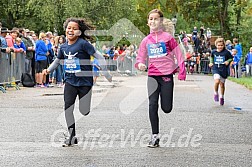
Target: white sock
154, 136
222, 96
215, 93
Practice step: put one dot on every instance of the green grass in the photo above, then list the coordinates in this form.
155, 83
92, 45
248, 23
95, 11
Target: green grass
246, 81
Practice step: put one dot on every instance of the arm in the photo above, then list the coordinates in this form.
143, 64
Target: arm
141, 56
54, 65
103, 65
179, 56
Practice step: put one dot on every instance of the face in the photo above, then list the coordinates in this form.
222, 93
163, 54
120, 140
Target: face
34, 37
18, 43
220, 46
71, 28
154, 21
60, 40
250, 49
14, 35
234, 52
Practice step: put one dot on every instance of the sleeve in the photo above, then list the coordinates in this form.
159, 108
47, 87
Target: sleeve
89, 48
229, 57
211, 57
23, 46
142, 54
54, 64
9, 42
102, 63
16, 47
175, 49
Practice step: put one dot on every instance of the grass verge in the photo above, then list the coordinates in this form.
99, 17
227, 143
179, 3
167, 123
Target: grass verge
246, 81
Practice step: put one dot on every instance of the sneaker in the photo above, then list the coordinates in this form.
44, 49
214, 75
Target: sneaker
154, 143
216, 97
221, 101
70, 142
42, 86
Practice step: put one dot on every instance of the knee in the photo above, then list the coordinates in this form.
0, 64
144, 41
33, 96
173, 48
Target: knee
222, 85
84, 112
166, 109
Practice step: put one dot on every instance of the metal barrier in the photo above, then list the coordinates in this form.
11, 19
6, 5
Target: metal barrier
122, 65
126, 65
12, 66
204, 66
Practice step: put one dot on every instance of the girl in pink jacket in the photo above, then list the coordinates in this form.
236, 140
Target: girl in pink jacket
164, 57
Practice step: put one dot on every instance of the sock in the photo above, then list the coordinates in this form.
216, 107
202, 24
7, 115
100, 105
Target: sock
222, 96
215, 93
154, 136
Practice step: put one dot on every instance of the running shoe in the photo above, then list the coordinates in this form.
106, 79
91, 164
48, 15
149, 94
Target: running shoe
216, 97
221, 101
154, 143
70, 142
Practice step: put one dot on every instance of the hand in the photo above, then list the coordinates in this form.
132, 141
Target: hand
109, 78
45, 72
210, 65
226, 63
141, 66
8, 50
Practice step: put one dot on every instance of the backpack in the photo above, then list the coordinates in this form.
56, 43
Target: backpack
27, 80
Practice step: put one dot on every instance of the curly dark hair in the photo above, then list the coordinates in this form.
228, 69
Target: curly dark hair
84, 25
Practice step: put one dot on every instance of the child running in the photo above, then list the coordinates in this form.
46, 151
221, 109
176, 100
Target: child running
75, 54
220, 59
159, 48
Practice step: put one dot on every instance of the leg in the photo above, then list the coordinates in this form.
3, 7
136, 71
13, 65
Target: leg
222, 87
85, 94
153, 94
167, 93
70, 93
216, 86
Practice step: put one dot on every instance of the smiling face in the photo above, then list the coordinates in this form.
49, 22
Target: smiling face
71, 30
220, 46
154, 21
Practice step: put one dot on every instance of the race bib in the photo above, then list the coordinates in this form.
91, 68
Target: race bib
157, 50
219, 59
72, 65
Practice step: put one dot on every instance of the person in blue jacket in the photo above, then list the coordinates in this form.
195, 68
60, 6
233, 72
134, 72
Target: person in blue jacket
248, 62
41, 53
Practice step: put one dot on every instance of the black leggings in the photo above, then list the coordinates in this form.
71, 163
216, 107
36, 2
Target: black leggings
70, 93
163, 86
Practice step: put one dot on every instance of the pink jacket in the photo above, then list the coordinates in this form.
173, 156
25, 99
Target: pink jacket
161, 64
10, 43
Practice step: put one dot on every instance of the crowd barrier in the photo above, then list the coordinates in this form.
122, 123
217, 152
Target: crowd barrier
122, 65
12, 65
204, 67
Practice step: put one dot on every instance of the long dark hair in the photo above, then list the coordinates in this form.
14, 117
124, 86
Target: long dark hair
84, 25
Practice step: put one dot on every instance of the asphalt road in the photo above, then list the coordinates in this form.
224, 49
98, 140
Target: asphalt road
198, 132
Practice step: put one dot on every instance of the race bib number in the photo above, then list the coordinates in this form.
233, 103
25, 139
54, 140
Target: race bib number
72, 65
157, 50
219, 59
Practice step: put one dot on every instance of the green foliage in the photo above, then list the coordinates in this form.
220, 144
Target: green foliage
48, 15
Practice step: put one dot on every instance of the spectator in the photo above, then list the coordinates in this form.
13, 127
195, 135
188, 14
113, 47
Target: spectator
3, 42
19, 44
209, 34
194, 33
11, 40
248, 62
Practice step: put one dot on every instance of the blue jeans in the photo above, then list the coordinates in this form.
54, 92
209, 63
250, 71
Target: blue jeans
58, 74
